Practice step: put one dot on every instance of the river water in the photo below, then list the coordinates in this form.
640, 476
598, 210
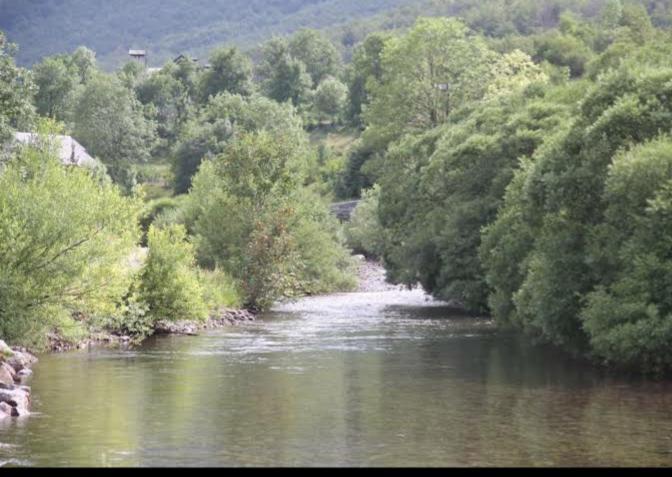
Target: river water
367, 379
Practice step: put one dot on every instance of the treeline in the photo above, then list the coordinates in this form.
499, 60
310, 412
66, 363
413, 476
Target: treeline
535, 187
81, 251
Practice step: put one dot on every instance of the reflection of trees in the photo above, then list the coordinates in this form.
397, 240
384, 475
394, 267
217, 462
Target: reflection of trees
430, 400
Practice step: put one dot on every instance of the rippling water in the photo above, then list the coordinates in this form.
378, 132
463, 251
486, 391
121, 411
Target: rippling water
369, 379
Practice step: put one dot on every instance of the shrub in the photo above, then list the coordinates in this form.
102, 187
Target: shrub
64, 238
169, 282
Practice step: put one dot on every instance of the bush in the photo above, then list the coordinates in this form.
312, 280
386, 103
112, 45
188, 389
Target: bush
169, 283
254, 219
219, 290
64, 241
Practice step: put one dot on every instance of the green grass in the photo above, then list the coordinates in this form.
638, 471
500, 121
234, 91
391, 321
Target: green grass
338, 139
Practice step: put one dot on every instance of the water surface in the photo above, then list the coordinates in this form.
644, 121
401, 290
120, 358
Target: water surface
368, 379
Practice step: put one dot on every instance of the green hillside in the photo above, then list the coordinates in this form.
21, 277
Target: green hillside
165, 28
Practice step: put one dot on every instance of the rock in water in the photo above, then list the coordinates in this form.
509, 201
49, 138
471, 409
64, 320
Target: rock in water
5, 410
18, 399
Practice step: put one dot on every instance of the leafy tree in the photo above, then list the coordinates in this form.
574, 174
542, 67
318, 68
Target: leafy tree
330, 97
83, 61
317, 53
253, 219
55, 85
230, 71
16, 91
563, 50
559, 211
284, 78
428, 73
627, 318
170, 99
366, 66
364, 232
108, 120
223, 117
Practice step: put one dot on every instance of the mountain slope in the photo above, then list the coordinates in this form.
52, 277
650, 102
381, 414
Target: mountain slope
166, 27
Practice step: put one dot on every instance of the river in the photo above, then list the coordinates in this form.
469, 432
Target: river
366, 379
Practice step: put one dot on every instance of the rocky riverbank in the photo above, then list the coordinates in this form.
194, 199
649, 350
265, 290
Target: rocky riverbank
225, 317
15, 364
371, 277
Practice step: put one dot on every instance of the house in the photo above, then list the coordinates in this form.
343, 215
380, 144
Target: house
183, 57
70, 152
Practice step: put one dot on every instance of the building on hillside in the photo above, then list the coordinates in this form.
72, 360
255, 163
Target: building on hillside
194, 60
139, 55
70, 152
183, 57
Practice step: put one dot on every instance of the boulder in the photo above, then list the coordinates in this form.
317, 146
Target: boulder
25, 373
6, 410
6, 377
18, 399
20, 360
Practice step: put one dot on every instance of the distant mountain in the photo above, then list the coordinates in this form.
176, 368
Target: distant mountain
167, 27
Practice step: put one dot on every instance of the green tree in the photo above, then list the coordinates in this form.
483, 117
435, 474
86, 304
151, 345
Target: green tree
83, 61
223, 117
55, 85
559, 214
109, 121
366, 66
171, 101
283, 77
330, 97
16, 93
628, 318
432, 70
252, 218
317, 53
364, 232
230, 71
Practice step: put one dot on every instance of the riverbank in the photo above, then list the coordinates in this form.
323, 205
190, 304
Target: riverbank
15, 369
225, 318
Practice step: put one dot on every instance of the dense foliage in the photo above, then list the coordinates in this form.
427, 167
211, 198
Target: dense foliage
516, 159
529, 189
252, 218
64, 240
169, 284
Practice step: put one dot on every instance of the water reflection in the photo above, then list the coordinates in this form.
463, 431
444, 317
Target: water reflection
379, 379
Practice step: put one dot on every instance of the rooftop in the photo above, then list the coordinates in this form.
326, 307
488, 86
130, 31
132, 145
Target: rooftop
70, 151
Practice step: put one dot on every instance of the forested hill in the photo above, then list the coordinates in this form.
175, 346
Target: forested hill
170, 27
165, 27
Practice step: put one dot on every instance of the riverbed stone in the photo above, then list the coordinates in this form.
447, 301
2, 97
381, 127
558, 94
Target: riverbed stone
20, 360
6, 410
25, 373
6, 377
18, 398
